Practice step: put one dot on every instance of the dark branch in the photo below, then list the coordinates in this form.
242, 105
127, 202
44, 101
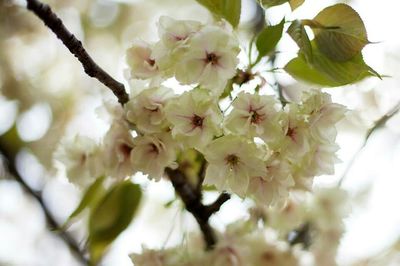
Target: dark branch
216, 205
192, 199
75, 46
301, 235
51, 222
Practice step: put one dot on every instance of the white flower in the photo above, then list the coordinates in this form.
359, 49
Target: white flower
140, 61
153, 153
150, 257
118, 145
273, 188
226, 255
232, 161
81, 158
296, 141
292, 215
195, 118
323, 115
254, 115
146, 110
265, 252
210, 59
328, 207
174, 33
321, 160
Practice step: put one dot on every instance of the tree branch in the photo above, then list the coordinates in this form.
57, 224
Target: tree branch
192, 199
75, 46
190, 196
53, 225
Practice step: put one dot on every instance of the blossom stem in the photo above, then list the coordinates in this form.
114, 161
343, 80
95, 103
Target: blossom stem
52, 21
79, 254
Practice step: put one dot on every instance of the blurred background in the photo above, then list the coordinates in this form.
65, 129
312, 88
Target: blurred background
45, 96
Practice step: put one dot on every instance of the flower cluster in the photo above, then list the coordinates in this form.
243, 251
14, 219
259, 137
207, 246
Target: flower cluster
241, 245
256, 148
248, 243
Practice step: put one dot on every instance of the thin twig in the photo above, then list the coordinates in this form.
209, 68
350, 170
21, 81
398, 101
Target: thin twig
75, 46
378, 124
53, 225
279, 86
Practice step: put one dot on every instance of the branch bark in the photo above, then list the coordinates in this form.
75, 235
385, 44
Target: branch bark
191, 197
52, 224
75, 46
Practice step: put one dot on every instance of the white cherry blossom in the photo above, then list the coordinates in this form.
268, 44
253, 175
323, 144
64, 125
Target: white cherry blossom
153, 153
232, 161
273, 188
118, 145
210, 59
81, 157
254, 115
142, 64
146, 110
174, 36
195, 118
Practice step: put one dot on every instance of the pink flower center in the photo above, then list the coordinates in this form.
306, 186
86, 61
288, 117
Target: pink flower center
125, 150
153, 148
232, 160
291, 133
197, 121
212, 59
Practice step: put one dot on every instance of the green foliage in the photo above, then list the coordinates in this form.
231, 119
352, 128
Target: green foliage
299, 35
270, 3
334, 57
327, 72
339, 32
299, 69
227, 90
226, 9
269, 38
294, 4
91, 197
112, 216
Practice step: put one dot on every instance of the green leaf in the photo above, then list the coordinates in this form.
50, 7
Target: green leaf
226, 9
299, 35
326, 72
90, 198
228, 89
271, 3
112, 216
294, 4
269, 38
343, 34
299, 69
